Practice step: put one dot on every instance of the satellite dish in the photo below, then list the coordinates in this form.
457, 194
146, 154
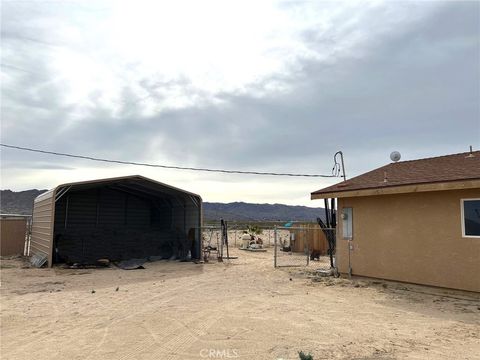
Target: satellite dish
395, 156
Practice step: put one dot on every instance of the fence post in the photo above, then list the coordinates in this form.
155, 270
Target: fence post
275, 246
308, 244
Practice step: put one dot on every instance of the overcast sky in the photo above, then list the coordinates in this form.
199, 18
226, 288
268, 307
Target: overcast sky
265, 86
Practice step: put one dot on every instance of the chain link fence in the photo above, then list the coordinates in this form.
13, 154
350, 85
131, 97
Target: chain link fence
215, 247
304, 246
299, 245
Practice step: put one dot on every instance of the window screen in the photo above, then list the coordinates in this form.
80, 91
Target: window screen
471, 217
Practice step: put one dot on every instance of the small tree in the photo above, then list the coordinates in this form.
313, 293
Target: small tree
254, 230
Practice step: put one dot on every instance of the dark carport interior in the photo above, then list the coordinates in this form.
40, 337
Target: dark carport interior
125, 219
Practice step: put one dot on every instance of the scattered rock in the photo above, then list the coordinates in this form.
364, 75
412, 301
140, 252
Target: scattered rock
93, 291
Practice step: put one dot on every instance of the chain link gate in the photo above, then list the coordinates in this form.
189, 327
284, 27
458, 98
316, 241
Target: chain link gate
304, 246
288, 251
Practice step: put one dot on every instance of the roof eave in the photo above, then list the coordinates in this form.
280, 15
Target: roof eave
401, 189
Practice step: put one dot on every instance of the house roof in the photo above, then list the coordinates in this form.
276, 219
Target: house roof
442, 169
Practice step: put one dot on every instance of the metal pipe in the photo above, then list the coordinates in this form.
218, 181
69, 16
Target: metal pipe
327, 212
349, 262
343, 164
275, 246
226, 238
332, 213
343, 167
308, 245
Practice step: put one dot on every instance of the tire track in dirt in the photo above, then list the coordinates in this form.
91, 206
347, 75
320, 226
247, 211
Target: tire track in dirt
89, 313
144, 307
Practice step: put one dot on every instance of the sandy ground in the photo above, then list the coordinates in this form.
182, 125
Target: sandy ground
241, 309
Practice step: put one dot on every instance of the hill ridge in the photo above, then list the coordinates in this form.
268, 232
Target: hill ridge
21, 202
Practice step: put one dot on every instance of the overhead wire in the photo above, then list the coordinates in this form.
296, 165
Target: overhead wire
92, 158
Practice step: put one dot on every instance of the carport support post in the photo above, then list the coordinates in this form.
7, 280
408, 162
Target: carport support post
275, 246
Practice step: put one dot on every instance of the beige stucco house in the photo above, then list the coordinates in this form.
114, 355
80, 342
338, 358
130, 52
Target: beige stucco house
414, 221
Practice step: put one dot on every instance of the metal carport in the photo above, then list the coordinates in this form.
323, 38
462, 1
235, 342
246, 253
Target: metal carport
116, 218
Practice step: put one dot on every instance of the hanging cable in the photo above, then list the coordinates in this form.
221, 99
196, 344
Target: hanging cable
161, 166
337, 167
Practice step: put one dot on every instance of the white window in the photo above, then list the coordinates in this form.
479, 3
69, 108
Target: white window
470, 217
347, 222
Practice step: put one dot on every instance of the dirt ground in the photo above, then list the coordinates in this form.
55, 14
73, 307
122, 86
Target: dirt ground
242, 308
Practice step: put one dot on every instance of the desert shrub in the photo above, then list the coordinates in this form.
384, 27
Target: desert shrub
304, 356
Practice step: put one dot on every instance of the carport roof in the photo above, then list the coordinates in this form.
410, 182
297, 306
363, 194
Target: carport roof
453, 171
136, 183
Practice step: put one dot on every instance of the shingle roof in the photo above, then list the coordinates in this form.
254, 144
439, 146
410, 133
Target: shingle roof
464, 166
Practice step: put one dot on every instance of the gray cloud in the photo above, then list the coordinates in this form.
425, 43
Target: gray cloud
408, 81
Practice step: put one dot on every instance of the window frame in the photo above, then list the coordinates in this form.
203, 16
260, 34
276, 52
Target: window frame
462, 218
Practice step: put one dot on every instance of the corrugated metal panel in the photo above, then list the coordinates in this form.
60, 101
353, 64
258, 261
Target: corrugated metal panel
60, 212
46, 195
82, 209
114, 218
138, 212
103, 223
42, 225
111, 208
194, 221
187, 218
161, 217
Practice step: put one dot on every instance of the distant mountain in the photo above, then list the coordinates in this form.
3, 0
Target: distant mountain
241, 211
21, 202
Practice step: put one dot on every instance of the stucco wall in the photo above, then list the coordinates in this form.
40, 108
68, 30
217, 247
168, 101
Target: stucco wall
413, 237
